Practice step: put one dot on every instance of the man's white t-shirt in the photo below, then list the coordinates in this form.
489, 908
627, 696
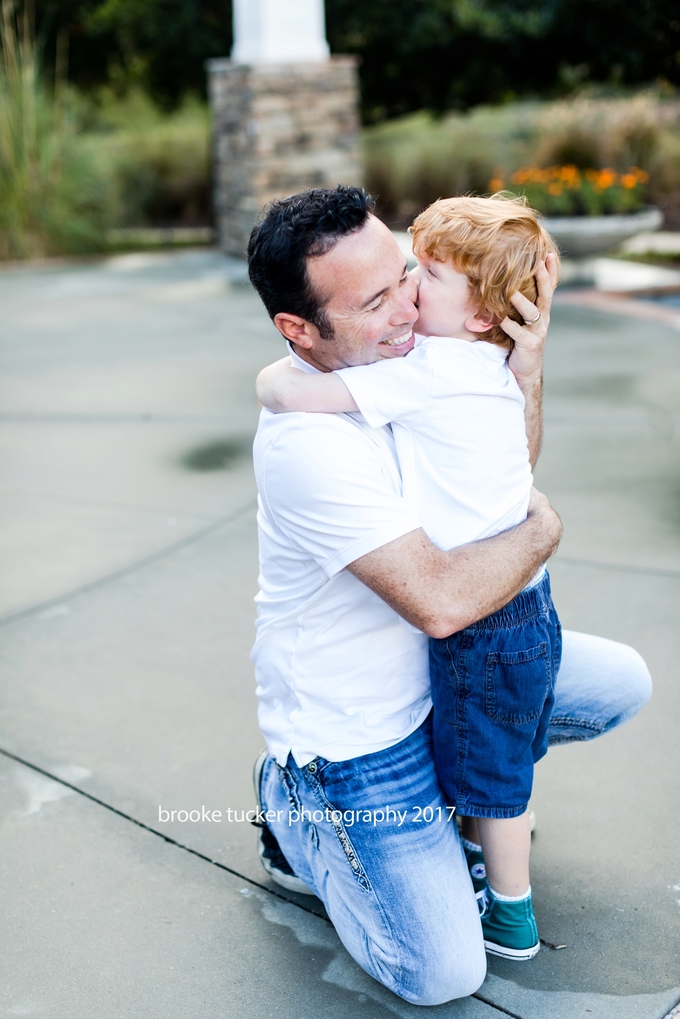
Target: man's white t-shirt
339, 673
457, 416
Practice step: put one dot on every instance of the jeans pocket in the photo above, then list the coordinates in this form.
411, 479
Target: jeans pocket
517, 684
336, 818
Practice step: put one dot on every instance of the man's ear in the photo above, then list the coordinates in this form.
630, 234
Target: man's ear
295, 329
478, 324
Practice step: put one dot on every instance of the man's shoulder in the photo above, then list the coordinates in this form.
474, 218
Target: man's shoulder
331, 485
304, 442
298, 427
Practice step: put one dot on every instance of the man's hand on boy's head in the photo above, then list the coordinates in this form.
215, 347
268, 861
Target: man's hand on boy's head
526, 359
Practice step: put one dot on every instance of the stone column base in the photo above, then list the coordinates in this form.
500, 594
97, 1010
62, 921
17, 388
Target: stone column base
279, 128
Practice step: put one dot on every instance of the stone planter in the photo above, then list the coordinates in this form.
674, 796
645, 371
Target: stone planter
584, 236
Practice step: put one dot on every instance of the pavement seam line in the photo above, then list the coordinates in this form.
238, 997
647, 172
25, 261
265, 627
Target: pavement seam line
154, 831
652, 571
499, 1008
138, 564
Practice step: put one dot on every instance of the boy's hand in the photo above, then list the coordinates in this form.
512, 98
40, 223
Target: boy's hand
526, 359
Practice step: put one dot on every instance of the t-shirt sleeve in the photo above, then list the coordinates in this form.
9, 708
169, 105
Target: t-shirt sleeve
329, 490
392, 389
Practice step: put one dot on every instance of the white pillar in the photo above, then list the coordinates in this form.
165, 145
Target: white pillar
279, 32
285, 113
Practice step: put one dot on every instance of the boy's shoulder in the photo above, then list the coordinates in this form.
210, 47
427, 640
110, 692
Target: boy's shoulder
453, 353
458, 345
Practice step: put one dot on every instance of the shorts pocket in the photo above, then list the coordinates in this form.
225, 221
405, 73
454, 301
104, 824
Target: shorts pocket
517, 684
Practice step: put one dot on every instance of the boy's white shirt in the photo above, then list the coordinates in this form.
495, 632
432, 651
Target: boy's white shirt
457, 414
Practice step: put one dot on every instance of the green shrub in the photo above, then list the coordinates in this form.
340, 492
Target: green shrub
591, 132
412, 161
54, 193
160, 161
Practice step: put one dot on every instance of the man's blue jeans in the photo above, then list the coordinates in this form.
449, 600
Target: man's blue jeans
374, 838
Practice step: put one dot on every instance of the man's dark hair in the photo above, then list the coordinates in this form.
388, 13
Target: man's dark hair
291, 231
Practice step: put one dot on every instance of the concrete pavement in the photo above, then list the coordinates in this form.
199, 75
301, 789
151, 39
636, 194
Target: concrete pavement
126, 415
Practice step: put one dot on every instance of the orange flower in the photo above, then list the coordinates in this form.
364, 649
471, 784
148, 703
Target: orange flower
642, 175
606, 178
555, 189
629, 180
496, 184
569, 175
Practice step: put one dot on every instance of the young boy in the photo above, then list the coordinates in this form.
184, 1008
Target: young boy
457, 415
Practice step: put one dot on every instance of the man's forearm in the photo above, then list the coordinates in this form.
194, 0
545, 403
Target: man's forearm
533, 416
443, 592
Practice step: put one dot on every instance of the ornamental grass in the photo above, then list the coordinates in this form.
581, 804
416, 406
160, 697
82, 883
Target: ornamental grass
54, 195
72, 166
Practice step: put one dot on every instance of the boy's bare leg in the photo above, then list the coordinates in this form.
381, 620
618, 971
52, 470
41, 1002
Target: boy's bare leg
506, 844
470, 830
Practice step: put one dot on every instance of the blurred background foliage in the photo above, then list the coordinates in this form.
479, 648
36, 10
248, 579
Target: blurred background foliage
104, 123
53, 195
415, 54
411, 161
75, 165
454, 54
158, 45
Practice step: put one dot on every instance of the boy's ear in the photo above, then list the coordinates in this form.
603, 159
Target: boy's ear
295, 329
479, 324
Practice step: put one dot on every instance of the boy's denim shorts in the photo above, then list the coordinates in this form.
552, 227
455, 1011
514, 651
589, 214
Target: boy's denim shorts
493, 693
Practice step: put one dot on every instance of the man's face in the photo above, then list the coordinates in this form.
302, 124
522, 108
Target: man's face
368, 297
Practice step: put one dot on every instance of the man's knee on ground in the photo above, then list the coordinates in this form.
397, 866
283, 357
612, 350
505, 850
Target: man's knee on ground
635, 687
643, 686
444, 977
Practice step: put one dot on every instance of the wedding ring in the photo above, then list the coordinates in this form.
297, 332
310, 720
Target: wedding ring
533, 321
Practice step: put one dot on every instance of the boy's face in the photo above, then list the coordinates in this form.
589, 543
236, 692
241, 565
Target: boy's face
444, 307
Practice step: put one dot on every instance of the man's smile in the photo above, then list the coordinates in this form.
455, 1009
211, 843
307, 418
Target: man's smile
399, 341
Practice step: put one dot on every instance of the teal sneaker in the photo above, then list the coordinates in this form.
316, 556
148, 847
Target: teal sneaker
509, 928
475, 862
